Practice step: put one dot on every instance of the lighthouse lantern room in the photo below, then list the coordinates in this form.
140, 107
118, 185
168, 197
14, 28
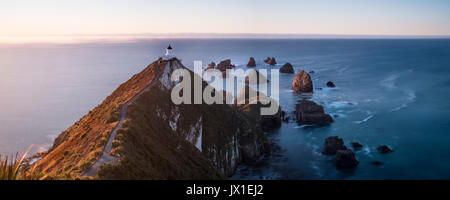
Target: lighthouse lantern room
168, 54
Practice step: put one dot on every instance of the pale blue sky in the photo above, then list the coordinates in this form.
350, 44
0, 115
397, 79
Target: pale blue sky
367, 17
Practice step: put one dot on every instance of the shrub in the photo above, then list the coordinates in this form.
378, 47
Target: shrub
10, 166
112, 117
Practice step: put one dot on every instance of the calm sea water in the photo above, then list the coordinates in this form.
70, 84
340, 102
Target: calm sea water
393, 92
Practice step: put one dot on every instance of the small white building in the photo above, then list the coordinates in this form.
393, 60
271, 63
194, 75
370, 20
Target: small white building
168, 54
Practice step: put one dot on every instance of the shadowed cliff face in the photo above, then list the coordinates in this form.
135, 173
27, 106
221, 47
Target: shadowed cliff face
174, 140
161, 140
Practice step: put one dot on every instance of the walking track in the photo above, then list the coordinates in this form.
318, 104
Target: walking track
106, 157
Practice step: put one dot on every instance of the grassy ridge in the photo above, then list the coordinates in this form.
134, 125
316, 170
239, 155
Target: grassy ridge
156, 139
79, 146
150, 149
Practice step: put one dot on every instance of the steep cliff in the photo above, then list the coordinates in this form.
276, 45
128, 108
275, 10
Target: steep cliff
158, 139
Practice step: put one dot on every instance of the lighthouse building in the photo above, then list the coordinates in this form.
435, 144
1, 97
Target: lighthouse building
169, 53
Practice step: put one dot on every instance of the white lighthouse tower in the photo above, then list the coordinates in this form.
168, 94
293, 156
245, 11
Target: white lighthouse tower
168, 54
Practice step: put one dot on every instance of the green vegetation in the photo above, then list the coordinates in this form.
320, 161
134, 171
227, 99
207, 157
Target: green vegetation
12, 168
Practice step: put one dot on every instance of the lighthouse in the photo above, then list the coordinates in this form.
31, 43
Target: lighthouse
168, 54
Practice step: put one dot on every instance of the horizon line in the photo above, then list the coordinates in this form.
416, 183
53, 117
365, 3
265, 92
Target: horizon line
129, 37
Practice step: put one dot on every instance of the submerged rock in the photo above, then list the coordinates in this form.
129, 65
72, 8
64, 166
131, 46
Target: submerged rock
356, 145
332, 145
302, 83
384, 149
312, 72
308, 112
377, 163
251, 62
287, 68
345, 159
330, 84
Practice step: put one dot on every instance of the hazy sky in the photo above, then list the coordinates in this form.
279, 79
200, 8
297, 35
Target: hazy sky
374, 17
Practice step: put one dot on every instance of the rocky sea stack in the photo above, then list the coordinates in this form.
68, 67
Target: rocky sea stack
287, 68
383, 149
308, 112
345, 159
332, 145
302, 83
211, 65
153, 137
270, 61
330, 84
224, 65
251, 62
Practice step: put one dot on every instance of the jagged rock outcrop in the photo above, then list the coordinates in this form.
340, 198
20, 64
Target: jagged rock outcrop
330, 84
308, 112
259, 78
287, 68
332, 145
251, 62
158, 139
224, 65
252, 107
210, 66
345, 159
302, 83
270, 61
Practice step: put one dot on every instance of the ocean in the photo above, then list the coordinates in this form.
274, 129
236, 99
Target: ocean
388, 92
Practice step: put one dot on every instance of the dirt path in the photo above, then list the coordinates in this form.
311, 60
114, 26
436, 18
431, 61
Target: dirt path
106, 157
